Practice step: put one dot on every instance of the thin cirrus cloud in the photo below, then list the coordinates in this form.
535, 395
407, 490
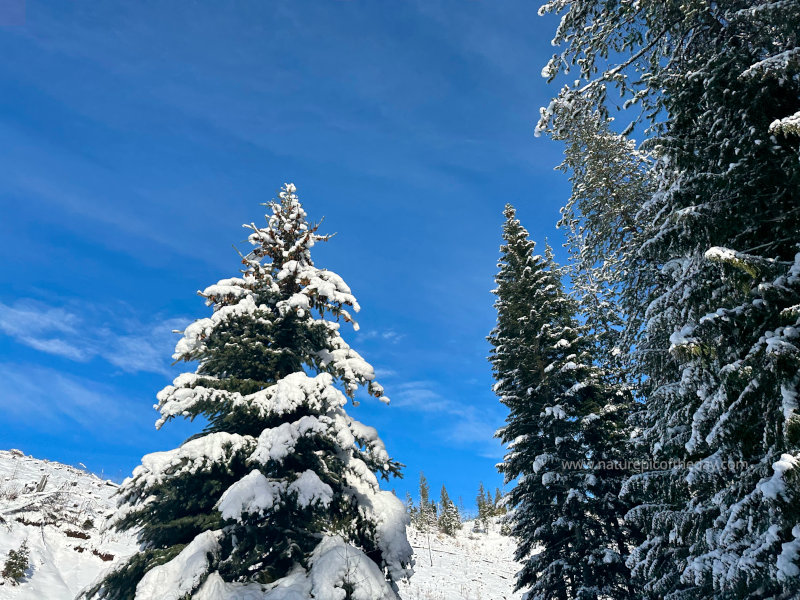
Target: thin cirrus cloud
41, 328
132, 346
389, 335
29, 391
466, 425
39, 403
385, 373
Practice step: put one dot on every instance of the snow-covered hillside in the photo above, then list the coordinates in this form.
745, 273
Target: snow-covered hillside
60, 511
471, 566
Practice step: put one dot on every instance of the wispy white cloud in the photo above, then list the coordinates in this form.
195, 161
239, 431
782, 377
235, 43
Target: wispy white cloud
44, 398
80, 199
129, 344
385, 373
28, 317
36, 325
55, 346
474, 429
421, 396
389, 335
461, 423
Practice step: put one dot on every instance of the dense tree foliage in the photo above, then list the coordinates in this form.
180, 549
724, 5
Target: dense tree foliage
278, 495
564, 432
693, 235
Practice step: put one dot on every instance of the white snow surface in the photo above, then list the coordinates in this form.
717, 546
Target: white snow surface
557, 412
310, 489
787, 559
173, 580
469, 566
62, 524
189, 456
775, 486
252, 494
336, 563
280, 398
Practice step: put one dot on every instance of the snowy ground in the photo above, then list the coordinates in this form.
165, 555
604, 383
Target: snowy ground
59, 510
471, 566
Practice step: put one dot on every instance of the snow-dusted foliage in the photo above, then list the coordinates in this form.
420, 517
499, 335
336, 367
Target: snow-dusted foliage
424, 517
610, 181
449, 517
703, 222
745, 431
278, 497
564, 432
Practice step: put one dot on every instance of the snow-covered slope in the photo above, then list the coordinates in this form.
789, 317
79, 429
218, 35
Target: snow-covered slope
470, 566
60, 510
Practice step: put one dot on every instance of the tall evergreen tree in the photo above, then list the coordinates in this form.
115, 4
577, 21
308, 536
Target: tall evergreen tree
710, 293
277, 497
489, 503
484, 509
449, 517
498, 502
424, 490
564, 432
426, 515
611, 179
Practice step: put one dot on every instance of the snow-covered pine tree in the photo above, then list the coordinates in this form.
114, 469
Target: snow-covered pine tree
16, 564
278, 496
746, 432
449, 517
713, 283
564, 432
426, 514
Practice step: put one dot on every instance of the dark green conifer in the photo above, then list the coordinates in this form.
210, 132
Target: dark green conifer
449, 517
281, 481
564, 433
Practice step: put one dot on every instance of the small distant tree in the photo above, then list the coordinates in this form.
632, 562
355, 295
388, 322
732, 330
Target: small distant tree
499, 509
449, 517
410, 508
426, 513
16, 564
484, 509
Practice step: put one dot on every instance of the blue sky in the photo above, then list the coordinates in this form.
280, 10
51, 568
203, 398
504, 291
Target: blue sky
138, 137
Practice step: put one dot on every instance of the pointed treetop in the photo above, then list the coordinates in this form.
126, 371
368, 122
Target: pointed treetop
514, 233
444, 497
548, 252
424, 489
288, 235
